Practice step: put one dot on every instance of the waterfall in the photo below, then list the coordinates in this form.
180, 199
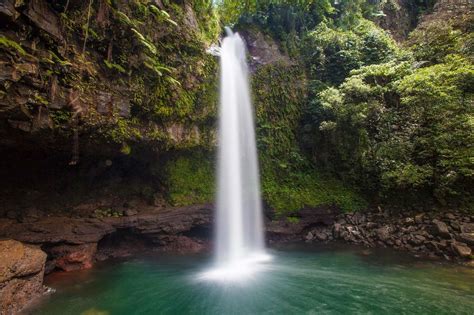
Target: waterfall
239, 234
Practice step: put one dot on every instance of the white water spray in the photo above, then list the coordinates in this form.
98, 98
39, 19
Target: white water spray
239, 224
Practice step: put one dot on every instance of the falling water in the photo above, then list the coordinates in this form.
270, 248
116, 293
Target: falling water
239, 225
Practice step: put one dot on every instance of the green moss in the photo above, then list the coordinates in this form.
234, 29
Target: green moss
107, 213
114, 66
289, 182
126, 149
60, 117
10, 44
293, 220
190, 179
308, 189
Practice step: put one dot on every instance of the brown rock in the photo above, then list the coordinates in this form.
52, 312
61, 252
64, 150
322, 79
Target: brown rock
383, 233
419, 218
263, 49
181, 244
461, 249
450, 216
467, 228
467, 238
21, 275
44, 18
7, 9
440, 228
321, 236
130, 212
337, 230
73, 257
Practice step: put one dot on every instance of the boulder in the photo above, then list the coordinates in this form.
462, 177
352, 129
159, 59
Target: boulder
21, 275
419, 218
44, 18
440, 228
383, 233
467, 228
461, 249
321, 236
337, 230
7, 9
467, 238
450, 216
73, 257
358, 218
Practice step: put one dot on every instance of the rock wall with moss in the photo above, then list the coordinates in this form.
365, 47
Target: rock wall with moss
97, 93
111, 73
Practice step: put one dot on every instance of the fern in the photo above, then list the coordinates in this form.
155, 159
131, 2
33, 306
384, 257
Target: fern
117, 67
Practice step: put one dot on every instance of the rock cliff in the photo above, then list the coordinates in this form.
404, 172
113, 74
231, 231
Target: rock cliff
21, 275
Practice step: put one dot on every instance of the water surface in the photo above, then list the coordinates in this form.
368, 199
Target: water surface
297, 281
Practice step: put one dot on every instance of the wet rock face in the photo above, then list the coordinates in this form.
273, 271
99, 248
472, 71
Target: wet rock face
21, 275
262, 49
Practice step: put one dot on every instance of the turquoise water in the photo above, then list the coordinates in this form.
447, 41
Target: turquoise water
297, 281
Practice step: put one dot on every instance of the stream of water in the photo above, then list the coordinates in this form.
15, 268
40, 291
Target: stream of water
239, 225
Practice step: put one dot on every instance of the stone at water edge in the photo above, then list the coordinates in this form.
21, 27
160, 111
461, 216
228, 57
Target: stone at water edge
21, 275
337, 230
461, 249
440, 228
383, 233
467, 228
419, 218
467, 238
73, 257
450, 216
130, 212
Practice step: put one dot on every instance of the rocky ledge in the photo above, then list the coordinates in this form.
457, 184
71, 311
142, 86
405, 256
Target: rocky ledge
21, 275
76, 243
447, 236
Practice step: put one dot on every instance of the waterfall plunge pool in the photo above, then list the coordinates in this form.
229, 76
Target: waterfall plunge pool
298, 280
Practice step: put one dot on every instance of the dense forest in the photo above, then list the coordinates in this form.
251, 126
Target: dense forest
360, 102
